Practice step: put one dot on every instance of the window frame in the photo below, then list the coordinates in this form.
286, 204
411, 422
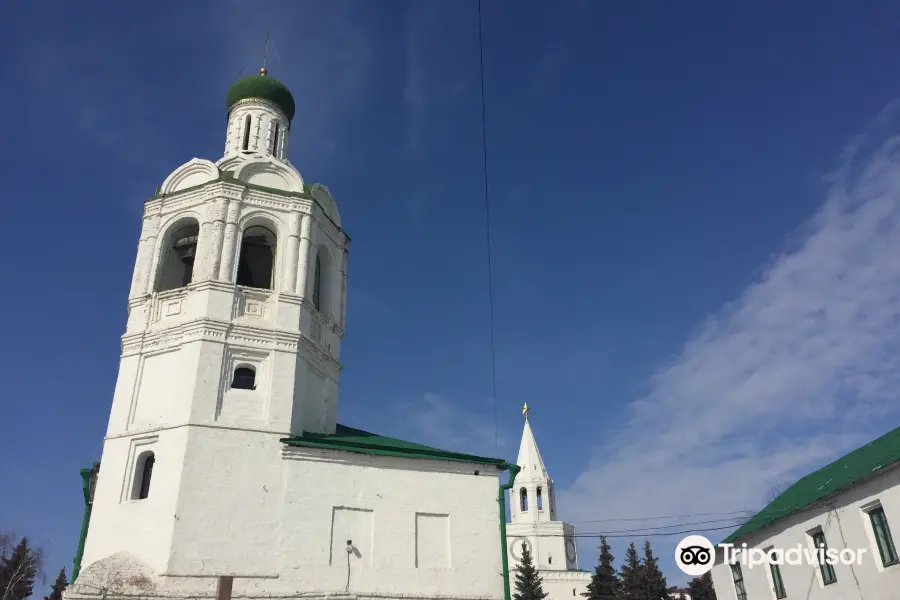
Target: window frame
888, 539
275, 135
234, 377
826, 570
257, 230
777, 581
737, 578
245, 141
317, 284
142, 476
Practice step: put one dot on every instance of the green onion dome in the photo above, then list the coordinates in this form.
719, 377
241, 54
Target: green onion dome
262, 88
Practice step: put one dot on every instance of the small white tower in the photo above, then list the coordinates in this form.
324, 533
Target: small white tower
533, 523
235, 318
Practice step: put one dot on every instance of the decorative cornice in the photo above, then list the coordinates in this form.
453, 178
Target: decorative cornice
258, 102
322, 358
212, 285
583, 576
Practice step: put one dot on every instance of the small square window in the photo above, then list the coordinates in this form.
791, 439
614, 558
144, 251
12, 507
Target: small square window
244, 379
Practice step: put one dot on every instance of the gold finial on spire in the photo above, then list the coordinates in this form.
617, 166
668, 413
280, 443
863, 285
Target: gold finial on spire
526, 410
264, 71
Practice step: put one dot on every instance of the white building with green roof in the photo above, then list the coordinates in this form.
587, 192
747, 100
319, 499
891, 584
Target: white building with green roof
224, 471
853, 504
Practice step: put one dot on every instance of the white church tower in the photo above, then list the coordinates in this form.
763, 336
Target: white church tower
534, 524
224, 470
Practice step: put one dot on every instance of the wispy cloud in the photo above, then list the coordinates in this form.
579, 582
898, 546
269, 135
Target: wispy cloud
800, 368
437, 421
434, 78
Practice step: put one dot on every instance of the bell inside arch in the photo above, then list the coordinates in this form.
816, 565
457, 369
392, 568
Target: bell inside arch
185, 249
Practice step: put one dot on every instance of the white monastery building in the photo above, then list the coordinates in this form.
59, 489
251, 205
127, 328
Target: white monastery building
224, 471
853, 503
533, 524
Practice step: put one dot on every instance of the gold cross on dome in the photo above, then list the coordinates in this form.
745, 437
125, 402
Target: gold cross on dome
526, 410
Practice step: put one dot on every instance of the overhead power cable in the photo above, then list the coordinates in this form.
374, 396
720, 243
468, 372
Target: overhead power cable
487, 218
733, 513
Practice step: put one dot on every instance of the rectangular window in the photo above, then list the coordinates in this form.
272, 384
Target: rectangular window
738, 577
883, 539
827, 569
777, 581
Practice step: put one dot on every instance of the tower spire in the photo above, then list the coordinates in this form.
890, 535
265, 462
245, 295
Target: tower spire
529, 456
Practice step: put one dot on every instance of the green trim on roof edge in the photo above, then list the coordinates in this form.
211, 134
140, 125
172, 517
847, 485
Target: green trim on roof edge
349, 439
808, 492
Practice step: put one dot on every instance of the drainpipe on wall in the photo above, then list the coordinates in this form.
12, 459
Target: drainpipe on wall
88, 483
501, 499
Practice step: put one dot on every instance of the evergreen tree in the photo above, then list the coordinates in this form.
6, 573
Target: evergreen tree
528, 582
18, 570
631, 587
58, 586
701, 588
653, 582
604, 583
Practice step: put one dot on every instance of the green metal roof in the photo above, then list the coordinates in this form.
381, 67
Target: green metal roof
266, 88
841, 474
349, 439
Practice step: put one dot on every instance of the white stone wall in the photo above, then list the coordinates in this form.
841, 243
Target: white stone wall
278, 518
846, 525
565, 585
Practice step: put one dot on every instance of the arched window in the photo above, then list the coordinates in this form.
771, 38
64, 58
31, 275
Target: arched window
317, 284
142, 475
245, 146
540, 499
244, 379
256, 266
523, 499
321, 296
176, 263
549, 559
275, 139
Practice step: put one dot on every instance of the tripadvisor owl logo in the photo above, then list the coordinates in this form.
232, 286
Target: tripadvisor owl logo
695, 555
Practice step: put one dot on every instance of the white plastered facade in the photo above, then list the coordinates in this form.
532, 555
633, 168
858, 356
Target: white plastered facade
533, 522
844, 520
229, 503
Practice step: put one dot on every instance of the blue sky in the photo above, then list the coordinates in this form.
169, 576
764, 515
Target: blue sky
695, 216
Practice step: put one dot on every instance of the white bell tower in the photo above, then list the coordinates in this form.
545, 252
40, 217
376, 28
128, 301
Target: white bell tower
533, 513
235, 319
